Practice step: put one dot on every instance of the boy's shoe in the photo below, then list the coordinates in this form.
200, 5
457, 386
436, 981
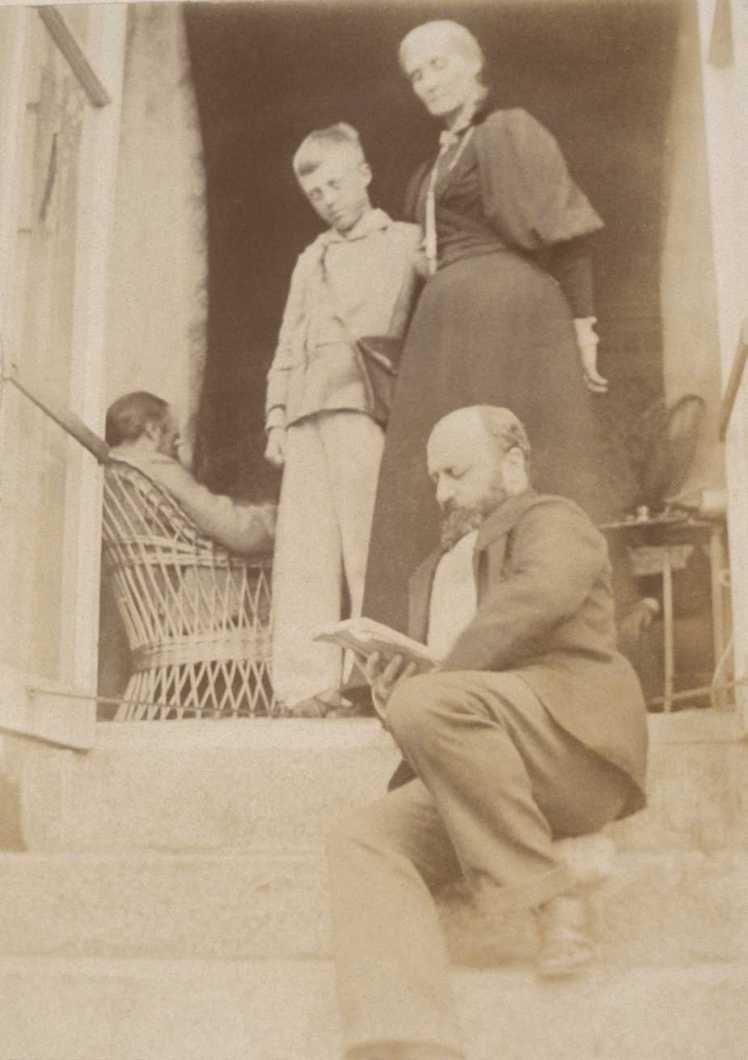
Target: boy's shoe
332, 703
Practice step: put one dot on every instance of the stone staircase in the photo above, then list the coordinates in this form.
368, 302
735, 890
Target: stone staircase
172, 903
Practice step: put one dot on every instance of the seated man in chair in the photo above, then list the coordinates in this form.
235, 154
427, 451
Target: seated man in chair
142, 430
531, 728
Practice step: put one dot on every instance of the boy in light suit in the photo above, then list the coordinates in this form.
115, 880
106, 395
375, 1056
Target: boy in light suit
356, 278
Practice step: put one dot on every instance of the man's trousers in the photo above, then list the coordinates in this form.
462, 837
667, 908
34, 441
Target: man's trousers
322, 536
498, 779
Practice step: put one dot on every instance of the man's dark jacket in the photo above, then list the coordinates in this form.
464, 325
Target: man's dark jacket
545, 612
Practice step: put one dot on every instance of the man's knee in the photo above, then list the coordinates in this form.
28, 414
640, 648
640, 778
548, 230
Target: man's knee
419, 707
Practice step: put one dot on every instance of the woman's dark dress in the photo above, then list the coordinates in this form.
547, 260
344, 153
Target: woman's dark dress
491, 327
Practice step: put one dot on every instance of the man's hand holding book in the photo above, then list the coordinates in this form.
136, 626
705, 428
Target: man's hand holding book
383, 655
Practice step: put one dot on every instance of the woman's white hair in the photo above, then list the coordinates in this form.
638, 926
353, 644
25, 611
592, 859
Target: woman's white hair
454, 35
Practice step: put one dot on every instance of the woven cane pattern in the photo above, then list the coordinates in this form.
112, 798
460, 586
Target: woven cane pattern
197, 617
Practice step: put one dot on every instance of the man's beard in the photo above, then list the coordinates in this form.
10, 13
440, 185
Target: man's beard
460, 521
457, 522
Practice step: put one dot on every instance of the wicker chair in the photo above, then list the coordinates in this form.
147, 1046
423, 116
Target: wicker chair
197, 617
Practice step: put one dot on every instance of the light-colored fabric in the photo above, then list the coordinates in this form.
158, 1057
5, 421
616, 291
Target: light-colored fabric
498, 779
244, 528
156, 327
454, 596
372, 272
324, 521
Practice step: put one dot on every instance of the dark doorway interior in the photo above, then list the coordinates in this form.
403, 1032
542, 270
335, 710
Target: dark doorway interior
598, 74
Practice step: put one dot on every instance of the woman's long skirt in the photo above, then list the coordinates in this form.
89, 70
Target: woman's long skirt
488, 330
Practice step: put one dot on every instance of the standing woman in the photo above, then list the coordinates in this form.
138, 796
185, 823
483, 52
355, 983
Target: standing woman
506, 315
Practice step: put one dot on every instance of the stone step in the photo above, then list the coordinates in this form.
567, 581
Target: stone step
215, 785
57, 1009
673, 907
199, 785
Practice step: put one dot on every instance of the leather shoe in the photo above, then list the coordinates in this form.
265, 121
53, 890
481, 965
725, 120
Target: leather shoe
566, 947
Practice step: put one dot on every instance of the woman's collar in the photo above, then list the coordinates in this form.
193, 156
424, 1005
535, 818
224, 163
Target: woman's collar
473, 114
484, 108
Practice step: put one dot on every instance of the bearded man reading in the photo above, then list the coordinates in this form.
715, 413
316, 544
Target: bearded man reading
530, 729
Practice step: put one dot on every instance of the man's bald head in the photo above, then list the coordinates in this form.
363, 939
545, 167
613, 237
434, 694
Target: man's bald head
477, 457
497, 423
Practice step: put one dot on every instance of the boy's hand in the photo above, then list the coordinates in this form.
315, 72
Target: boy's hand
275, 451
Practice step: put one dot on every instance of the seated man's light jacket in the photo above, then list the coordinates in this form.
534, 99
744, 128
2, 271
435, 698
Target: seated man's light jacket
243, 528
545, 612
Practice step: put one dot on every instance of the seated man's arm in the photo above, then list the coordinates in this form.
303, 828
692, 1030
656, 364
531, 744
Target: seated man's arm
243, 528
557, 556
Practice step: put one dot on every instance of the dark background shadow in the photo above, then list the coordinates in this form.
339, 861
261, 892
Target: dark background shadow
598, 75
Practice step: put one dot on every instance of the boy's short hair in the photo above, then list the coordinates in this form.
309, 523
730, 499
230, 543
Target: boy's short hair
314, 148
128, 417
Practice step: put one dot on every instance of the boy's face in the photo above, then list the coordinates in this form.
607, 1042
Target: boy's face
338, 189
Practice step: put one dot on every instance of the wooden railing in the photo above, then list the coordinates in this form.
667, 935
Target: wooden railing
63, 417
76, 58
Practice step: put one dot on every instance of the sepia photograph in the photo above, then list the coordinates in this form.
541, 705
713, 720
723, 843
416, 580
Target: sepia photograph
374, 530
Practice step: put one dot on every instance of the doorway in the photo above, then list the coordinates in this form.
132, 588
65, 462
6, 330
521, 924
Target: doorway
598, 75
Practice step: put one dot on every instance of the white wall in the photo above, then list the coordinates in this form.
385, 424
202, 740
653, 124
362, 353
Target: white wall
158, 293
726, 114
691, 352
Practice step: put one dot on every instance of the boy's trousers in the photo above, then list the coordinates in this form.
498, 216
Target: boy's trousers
322, 542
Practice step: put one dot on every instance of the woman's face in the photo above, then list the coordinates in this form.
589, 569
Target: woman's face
443, 78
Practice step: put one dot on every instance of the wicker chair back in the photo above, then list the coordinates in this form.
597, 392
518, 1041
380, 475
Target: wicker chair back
197, 617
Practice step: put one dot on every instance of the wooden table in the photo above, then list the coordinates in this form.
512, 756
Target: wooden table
661, 545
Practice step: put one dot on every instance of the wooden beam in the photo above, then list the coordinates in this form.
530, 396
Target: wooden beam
733, 383
68, 44
721, 45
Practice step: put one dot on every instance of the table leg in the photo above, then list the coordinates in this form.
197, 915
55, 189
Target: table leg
717, 565
667, 615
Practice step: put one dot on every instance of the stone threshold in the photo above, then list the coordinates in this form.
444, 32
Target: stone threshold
293, 734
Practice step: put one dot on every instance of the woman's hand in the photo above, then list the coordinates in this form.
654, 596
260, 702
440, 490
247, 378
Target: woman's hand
587, 341
275, 451
384, 676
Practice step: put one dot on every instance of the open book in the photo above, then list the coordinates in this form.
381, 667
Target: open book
364, 636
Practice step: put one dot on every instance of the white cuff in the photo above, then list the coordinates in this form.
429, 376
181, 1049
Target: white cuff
275, 417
